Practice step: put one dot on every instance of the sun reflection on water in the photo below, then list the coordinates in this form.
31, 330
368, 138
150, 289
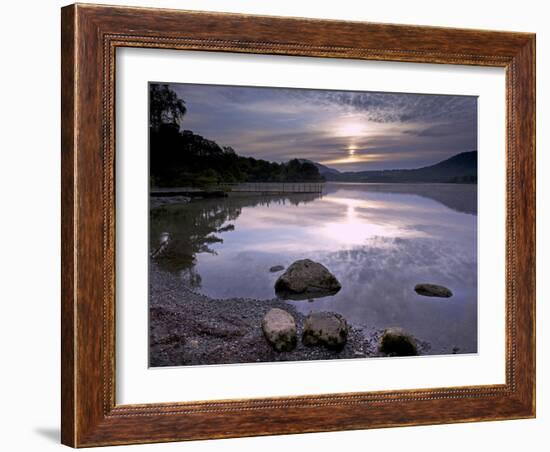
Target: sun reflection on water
359, 223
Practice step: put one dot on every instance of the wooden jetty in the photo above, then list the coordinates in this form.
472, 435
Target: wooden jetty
274, 187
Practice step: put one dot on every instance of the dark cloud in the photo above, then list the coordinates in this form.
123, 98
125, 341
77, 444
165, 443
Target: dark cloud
397, 107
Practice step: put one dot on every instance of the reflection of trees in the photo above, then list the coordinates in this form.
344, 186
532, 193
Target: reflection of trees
193, 229
198, 225
251, 199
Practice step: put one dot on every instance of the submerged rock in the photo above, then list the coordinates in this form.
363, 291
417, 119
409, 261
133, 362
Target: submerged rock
155, 202
276, 268
164, 240
279, 329
305, 279
396, 342
432, 290
325, 328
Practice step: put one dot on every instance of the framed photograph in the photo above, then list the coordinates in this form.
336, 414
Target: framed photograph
281, 225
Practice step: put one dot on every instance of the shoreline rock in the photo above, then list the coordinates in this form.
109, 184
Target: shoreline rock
279, 329
325, 328
396, 342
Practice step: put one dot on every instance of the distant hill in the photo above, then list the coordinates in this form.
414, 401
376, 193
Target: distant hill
461, 168
323, 170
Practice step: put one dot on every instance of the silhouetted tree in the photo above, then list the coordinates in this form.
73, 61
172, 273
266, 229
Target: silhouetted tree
165, 107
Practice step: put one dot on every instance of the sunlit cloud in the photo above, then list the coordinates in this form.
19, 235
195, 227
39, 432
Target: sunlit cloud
350, 127
352, 158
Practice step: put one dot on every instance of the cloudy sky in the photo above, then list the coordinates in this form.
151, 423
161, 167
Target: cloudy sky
346, 130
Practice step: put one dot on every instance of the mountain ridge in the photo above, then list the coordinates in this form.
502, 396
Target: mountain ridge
460, 168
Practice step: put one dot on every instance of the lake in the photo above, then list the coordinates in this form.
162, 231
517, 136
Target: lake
379, 240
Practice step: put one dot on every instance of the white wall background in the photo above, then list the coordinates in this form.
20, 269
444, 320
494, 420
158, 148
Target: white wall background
29, 226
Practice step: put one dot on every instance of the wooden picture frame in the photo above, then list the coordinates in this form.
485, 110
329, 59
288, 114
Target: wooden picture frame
90, 36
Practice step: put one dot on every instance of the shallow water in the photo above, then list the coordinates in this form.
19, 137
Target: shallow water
379, 240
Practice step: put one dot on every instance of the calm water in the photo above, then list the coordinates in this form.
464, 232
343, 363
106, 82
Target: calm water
378, 239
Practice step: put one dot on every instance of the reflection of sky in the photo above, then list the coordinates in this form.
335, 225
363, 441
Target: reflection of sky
339, 220
347, 130
379, 245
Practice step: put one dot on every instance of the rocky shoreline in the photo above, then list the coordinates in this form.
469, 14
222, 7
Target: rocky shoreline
188, 328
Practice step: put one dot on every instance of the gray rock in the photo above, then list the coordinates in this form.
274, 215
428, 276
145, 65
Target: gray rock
306, 279
396, 342
276, 268
279, 329
155, 202
325, 328
432, 290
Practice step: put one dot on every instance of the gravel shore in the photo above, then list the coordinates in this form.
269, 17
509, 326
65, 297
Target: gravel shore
187, 328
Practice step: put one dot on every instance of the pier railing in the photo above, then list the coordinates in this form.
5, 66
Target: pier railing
274, 187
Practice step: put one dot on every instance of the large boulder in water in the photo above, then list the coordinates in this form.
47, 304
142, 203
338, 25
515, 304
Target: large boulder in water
325, 328
396, 342
306, 279
432, 290
279, 329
